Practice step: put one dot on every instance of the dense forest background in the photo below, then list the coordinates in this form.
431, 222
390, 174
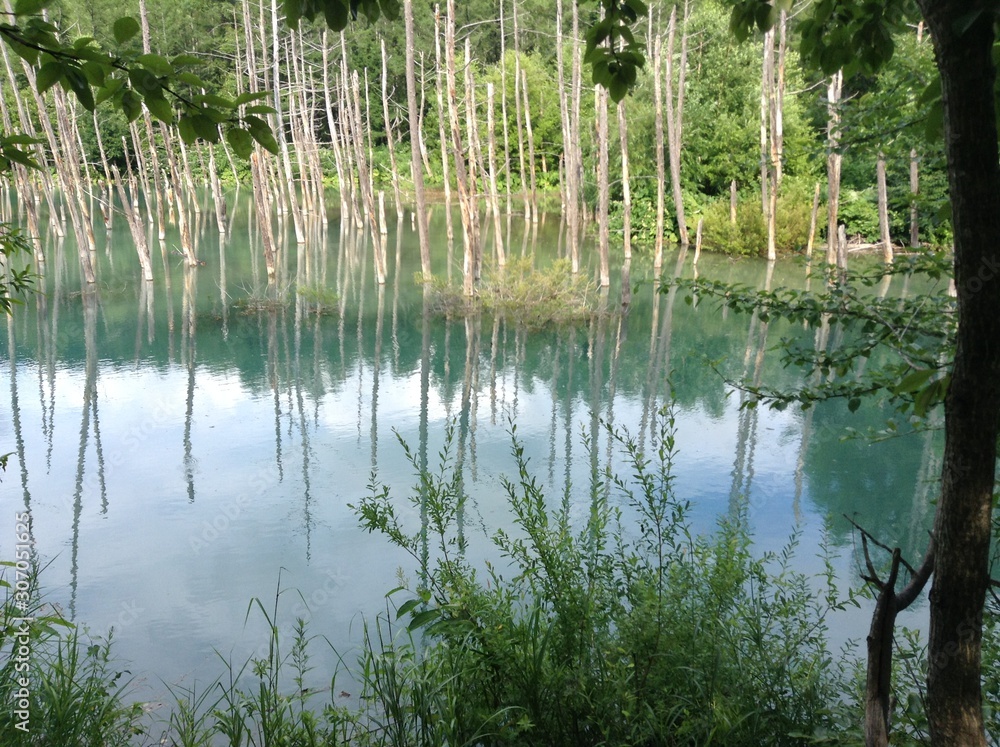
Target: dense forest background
741, 120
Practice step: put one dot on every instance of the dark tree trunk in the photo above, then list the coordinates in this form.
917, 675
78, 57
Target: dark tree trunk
962, 523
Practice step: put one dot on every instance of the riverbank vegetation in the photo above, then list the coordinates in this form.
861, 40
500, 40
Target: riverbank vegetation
603, 619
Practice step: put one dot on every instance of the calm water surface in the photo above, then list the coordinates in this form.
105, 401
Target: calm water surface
184, 446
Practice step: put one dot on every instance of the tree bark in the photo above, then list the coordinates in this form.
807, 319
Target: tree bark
962, 527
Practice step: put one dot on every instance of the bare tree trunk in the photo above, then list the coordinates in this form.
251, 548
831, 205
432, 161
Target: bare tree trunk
475, 158
503, 108
601, 103
217, 196
883, 210
578, 213
259, 181
343, 180
390, 140
626, 187
491, 166
364, 177
914, 191
732, 202
442, 137
674, 113
833, 160
772, 126
531, 146
517, 112
465, 199
136, 229
812, 222
278, 126
661, 178
415, 143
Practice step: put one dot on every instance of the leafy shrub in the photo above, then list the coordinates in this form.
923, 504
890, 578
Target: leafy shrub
748, 236
626, 629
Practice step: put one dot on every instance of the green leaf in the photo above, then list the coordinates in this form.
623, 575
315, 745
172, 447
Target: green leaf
28, 54
217, 101
185, 60
79, 85
423, 618
913, 381
125, 28
617, 89
191, 79
853, 404
95, 73
29, 7
408, 605
131, 105
205, 127
260, 109
144, 82
160, 108
335, 13
111, 87
241, 141
156, 64
246, 98
186, 130
48, 75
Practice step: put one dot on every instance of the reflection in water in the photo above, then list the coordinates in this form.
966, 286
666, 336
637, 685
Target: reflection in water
320, 385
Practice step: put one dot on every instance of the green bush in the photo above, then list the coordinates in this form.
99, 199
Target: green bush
748, 236
619, 627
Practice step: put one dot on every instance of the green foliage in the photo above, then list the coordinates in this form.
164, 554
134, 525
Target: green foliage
748, 236
128, 80
608, 623
897, 348
838, 34
16, 282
